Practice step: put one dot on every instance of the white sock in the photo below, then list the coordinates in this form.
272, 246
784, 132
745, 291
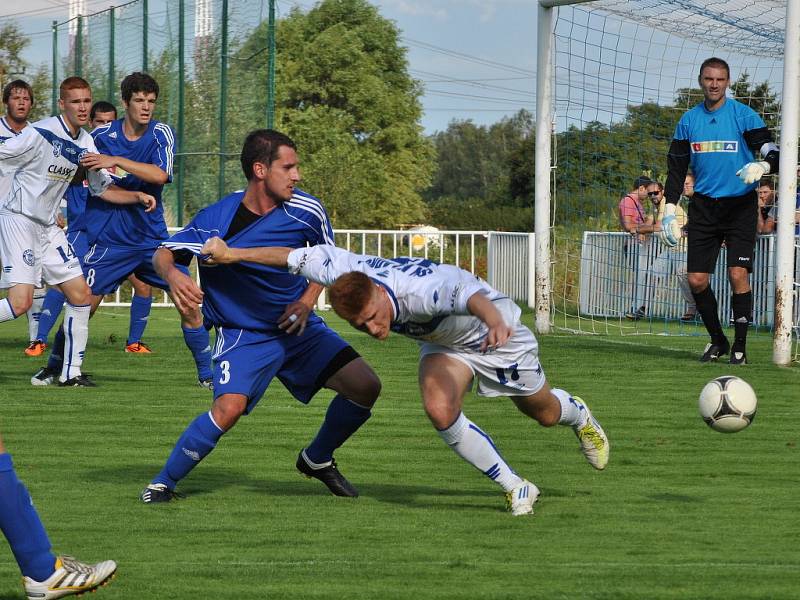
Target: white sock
76, 332
477, 448
34, 312
6, 312
572, 413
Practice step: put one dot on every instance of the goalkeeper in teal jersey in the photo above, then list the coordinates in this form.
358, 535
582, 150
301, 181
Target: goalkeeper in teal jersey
720, 140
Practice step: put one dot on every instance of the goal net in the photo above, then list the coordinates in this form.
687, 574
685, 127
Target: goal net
624, 73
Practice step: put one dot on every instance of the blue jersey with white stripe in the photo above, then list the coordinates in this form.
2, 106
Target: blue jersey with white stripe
717, 146
247, 295
129, 225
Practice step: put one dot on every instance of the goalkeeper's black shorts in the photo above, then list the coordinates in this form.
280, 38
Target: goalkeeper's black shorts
714, 221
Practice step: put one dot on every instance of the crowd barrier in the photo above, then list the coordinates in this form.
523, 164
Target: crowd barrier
619, 274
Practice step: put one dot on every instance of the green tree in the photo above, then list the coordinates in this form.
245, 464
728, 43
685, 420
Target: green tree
758, 97
476, 161
12, 66
344, 94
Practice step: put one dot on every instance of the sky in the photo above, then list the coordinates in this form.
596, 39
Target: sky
475, 58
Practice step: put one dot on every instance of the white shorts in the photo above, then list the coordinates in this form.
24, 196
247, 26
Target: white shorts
33, 253
511, 370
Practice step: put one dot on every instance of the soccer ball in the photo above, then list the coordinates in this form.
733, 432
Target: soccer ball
728, 404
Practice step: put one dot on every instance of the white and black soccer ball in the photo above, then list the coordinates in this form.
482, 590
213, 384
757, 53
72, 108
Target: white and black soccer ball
728, 404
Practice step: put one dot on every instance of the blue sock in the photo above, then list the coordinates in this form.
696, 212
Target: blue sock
56, 360
140, 311
195, 443
198, 342
342, 420
51, 308
22, 527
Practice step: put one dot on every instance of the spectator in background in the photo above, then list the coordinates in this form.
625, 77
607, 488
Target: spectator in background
637, 220
633, 216
766, 204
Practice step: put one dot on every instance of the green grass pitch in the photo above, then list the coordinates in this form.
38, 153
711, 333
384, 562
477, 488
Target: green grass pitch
681, 511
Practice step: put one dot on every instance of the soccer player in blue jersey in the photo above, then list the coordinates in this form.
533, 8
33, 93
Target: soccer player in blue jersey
259, 314
138, 151
720, 140
101, 113
468, 333
44, 575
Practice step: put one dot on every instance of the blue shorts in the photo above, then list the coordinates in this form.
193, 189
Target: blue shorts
246, 361
79, 242
106, 267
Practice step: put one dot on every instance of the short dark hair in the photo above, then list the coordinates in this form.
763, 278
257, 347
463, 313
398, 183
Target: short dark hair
73, 83
17, 84
103, 107
262, 146
642, 180
715, 62
137, 82
766, 183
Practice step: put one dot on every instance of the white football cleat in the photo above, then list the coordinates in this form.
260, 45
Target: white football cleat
520, 500
70, 577
594, 443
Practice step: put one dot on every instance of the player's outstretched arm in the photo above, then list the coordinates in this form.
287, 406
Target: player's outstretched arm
117, 195
498, 334
216, 252
147, 172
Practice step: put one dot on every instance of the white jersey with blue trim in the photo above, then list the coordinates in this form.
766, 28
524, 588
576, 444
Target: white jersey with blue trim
6, 132
429, 300
41, 161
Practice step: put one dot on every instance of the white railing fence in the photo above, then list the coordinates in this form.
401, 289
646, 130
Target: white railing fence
504, 259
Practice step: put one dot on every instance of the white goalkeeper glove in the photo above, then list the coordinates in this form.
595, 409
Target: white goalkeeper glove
670, 230
753, 171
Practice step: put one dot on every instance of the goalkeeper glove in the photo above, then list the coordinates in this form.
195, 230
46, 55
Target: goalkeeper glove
670, 230
753, 171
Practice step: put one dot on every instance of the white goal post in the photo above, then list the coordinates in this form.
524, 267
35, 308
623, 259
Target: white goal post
787, 186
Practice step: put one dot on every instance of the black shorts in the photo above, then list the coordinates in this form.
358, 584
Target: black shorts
713, 221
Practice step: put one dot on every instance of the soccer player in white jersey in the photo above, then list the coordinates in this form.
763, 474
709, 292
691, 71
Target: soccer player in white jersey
102, 113
44, 575
44, 159
18, 100
467, 331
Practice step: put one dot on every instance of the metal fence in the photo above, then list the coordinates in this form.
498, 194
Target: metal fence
214, 61
504, 259
619, 274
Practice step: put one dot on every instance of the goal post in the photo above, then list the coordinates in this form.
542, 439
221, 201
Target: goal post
606, 66
785, 295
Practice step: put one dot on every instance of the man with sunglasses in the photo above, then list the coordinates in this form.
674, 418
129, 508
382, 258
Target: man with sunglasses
637, 220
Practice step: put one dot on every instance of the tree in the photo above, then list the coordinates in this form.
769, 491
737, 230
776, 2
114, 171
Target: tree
13, 66
758, 97
474, 161
345, 96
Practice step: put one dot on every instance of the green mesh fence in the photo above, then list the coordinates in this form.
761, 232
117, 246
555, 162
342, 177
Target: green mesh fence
211, 59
